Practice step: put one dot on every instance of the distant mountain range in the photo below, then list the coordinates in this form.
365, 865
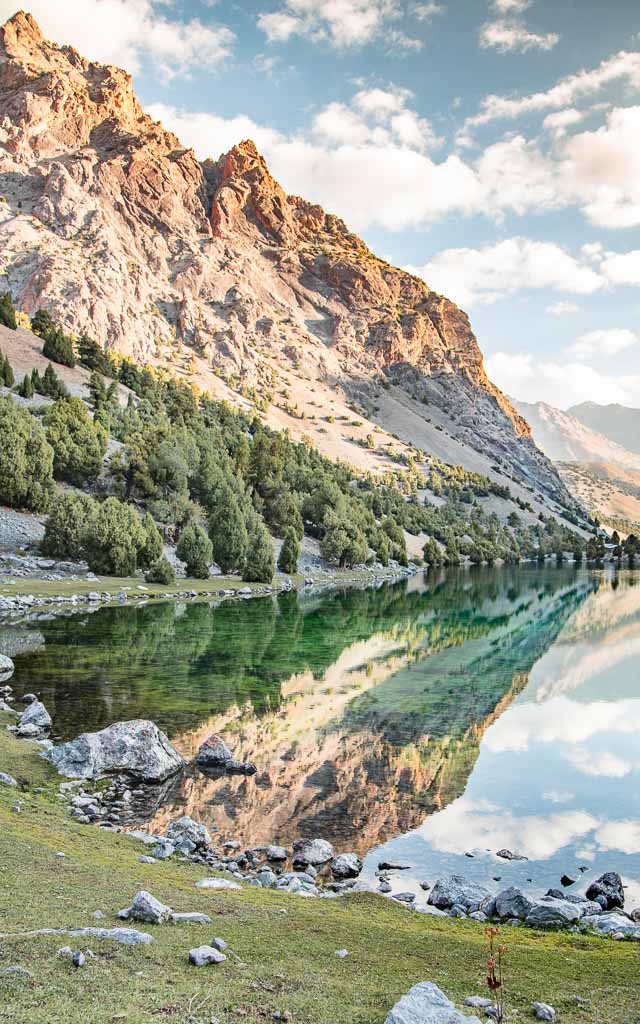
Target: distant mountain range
617, 422
597, 451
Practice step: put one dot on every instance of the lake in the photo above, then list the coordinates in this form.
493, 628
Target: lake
430, 722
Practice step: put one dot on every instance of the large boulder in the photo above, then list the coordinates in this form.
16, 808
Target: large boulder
312, 851
214, 753
137, 748
346, 865
457, 891
35, 721
512, 903
425, 1003
146, 907
6, 668
609, 887
187, 832
550, 913
610, 922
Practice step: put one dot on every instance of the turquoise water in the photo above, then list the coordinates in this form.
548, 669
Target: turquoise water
421, 722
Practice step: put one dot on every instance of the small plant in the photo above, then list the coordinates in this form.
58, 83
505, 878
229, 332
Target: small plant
495, 983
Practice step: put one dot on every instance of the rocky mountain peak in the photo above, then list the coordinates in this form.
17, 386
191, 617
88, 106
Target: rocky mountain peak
113, 225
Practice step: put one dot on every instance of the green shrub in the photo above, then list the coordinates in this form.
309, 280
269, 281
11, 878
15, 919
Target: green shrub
289, 552
114, 539
67, 526
7, 311
195, 549
26, 459
79, 445
161, 571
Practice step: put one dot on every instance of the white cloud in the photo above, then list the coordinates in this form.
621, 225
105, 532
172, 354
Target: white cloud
606, 765
602, 343
562, 308
601, 169
558, 122
557, 796
619, 835
428, 11
560, 384
342, 23
210, 135
128, 32
623, 267
468, 825
514, 37
622, 67
510, 6
483, 276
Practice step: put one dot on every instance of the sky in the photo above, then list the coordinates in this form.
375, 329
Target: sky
490, 146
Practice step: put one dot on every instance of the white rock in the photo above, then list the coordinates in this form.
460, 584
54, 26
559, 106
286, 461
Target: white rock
136, 748
201, 956
425, 1003
217, 883
542, 1011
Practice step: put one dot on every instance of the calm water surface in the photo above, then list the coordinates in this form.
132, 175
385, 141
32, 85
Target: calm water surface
418, 722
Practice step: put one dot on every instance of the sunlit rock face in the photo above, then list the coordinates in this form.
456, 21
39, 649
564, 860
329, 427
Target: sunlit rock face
113, 225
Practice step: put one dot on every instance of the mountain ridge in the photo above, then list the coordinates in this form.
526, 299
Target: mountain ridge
116, 228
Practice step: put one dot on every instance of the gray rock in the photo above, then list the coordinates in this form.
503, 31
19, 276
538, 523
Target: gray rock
192, 917
137, 748
16, 972
7, 708
609, 922
65, 951
35, 717
312, 851
123, 936
219, 944
214, 753
202, 956
217, 883
7, 668
7, 780
542, 1011
346, 865
147, 860
608, 886
512, 902
163, 850
478, 1002
510, 855
78, 959
146, 907
187, 830
341, 953
276, 853
550, 913
455, 890
425, 1003
266, 878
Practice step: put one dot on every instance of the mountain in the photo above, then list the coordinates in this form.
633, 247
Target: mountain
212, 271
601, 474
565, 437
617, 422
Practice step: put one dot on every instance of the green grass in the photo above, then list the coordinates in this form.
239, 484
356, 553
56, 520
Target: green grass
286, 945
210, 587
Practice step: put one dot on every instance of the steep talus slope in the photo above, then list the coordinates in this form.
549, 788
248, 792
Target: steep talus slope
119, 231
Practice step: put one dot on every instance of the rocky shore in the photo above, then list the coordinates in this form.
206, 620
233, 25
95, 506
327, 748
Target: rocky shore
134, 756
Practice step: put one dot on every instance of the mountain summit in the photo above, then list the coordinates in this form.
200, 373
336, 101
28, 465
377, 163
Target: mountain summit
120, 232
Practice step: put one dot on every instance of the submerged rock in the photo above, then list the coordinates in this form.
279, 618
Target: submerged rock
425, 1003
214, 753
137, 748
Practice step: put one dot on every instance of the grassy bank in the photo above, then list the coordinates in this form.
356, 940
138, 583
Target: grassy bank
113, 585
286, 945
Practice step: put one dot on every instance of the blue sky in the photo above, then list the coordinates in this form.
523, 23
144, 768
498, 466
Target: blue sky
492, 146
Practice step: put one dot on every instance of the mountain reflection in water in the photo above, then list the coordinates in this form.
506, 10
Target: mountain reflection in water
449, 715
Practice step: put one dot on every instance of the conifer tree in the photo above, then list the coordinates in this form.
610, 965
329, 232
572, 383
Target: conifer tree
289, 552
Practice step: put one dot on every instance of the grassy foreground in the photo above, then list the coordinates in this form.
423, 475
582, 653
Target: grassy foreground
286, 945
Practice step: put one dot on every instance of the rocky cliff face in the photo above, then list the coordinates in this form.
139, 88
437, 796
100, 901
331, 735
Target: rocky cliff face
121, 233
